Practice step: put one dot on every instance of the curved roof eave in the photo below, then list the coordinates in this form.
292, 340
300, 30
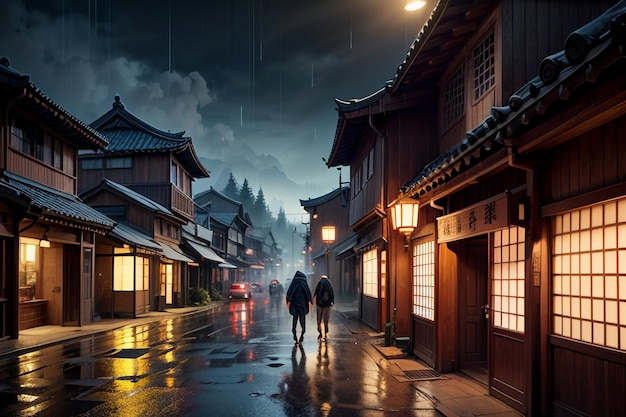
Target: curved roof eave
312, 202
49, 111
192, 162
360, 103
119, 113
449, 24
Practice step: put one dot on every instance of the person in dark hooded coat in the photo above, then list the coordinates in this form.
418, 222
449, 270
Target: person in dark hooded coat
299, 302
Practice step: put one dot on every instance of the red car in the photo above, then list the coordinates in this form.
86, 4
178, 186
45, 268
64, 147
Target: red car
240, 290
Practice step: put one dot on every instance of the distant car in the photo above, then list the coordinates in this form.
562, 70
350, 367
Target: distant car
257, 286
241, 290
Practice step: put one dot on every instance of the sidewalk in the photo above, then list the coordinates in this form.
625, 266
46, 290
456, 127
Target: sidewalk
38, 337
453, 394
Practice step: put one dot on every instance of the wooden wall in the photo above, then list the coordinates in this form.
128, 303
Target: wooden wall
591, 161
37, 171
534, 29
587, 380
152, 169
411, 143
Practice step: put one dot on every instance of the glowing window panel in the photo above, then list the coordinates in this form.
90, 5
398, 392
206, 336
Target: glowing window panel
507, 295
424, 280
596, 272
370, 273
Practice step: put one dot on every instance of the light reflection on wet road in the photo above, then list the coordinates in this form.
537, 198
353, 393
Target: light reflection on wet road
241, 362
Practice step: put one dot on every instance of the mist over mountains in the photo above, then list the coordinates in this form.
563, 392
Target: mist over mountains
265, 172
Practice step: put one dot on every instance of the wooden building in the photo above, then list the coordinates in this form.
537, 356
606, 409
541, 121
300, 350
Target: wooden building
146, 170
516, 267
335, 258
262, 254
230, 223
147, 270
197, 244
47, 234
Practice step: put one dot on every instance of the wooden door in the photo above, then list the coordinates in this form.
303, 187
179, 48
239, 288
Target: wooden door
87, 281
71, 285
52, 282
473, 280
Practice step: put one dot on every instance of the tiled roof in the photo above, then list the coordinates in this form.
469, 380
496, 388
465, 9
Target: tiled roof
57, 206
226, 219
447, 31
556, 83
128, 134
136, 197
132, 141
134, 237
33, 100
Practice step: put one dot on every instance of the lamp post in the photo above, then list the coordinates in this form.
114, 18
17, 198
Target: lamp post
404, 216
328, 237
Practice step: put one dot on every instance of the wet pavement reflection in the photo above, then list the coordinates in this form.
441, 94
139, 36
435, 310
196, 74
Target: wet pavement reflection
235, 360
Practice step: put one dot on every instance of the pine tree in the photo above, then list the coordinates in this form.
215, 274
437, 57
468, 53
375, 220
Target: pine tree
246, 197
261, 213
232, 188
281, 221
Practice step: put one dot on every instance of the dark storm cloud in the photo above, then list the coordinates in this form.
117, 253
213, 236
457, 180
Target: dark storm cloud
240, 77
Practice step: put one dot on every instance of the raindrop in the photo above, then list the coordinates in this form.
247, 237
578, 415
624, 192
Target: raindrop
275, 365
256, 394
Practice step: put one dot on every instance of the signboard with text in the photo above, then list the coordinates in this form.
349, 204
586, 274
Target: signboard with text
486, 216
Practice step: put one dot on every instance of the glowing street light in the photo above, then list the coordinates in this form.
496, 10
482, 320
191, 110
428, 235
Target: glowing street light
414, 5
328, 237
404, 216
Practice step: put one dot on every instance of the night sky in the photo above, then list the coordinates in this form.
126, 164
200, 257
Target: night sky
252, 82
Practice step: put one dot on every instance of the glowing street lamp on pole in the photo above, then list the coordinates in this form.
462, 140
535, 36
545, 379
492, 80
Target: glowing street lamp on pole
328, 237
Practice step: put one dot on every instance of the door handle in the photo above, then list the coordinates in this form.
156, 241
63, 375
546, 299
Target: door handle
485, 309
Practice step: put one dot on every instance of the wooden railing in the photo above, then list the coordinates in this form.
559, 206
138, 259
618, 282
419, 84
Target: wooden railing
182, 203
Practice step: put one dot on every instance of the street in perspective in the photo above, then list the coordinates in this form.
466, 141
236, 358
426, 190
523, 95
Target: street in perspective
232, 358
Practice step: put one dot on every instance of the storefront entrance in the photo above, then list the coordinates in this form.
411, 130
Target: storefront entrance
473, 299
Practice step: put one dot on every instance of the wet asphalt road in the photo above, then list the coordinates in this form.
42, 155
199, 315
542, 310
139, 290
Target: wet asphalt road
235, 360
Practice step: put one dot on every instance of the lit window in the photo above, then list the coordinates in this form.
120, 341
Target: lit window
130, 273
589, 274
424, 280
507, 294
370, 273
167, 278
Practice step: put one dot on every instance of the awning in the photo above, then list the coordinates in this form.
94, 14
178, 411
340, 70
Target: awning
173, 252
59, 206
345, 247
239, 263
206, 252
134, 237
226, 265
319, 253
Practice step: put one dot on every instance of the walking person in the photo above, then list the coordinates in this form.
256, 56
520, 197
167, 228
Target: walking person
276, 294
324, 297
299, 302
